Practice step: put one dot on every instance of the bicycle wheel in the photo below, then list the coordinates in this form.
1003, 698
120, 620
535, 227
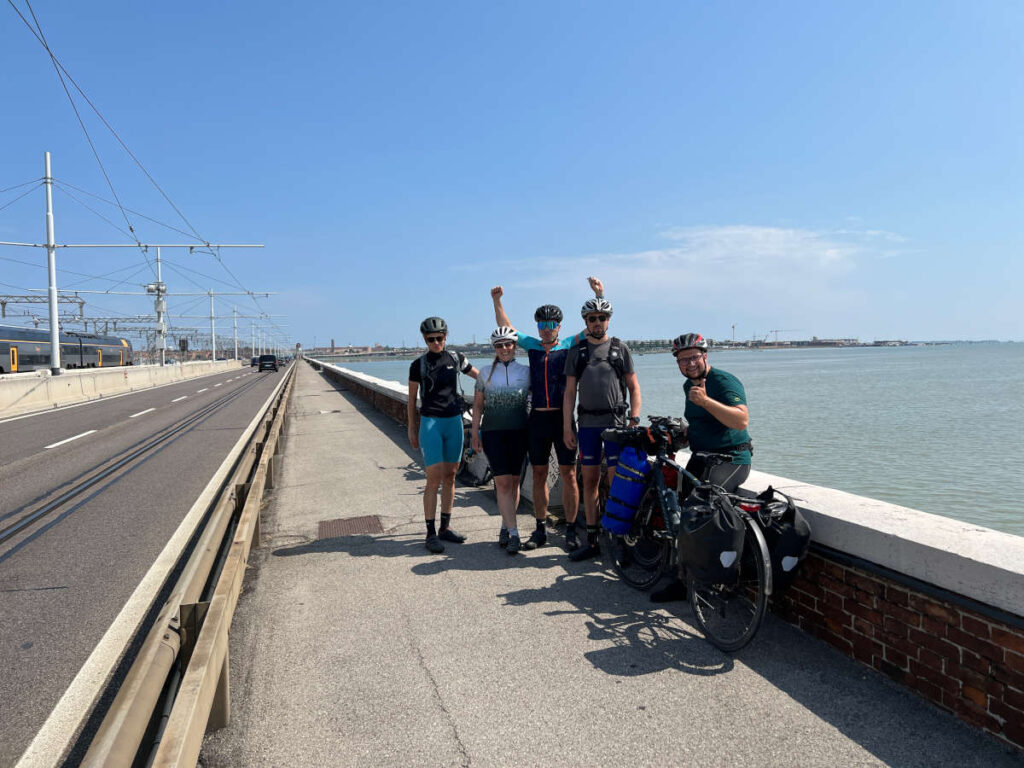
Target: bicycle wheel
640, 556
730, 614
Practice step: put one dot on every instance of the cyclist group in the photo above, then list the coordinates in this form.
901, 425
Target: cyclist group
570, 392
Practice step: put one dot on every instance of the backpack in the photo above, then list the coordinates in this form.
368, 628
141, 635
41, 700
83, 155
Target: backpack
615, 359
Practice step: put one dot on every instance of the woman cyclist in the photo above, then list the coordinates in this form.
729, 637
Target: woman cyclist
436, 428
501, 392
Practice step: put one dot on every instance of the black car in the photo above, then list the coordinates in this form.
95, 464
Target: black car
267, 363
255, 361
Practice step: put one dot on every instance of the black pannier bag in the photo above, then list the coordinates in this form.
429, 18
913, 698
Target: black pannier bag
711, 540
787, 534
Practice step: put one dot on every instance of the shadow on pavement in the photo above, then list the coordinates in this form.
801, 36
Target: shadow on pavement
643, 641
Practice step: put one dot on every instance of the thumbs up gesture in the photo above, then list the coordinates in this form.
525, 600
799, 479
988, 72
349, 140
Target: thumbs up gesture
698, 394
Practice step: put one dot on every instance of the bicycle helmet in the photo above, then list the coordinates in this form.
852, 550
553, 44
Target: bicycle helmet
548, 313
503, 333
689, 341
590, 306
433, 325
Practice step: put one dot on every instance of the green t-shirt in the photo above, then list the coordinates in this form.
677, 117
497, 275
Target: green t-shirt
706, 432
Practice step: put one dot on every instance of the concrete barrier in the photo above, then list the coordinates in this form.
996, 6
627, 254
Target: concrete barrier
935, 604
22, 393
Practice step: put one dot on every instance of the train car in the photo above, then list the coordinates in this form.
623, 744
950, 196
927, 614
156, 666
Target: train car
28, 349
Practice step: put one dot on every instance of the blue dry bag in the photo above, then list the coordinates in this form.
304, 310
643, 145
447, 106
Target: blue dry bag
624, 495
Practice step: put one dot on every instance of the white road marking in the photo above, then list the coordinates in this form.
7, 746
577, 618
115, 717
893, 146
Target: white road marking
217, 385
71, 438
202, 390
179, 398
141, 412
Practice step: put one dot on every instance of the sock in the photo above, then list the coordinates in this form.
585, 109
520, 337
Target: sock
446, 518
592, 535
540, 524
431, 530
513, 532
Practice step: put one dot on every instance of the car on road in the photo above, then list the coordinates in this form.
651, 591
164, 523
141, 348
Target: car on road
255, 361
267, 363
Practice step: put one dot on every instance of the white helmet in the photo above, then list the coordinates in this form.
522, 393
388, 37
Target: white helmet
503, 333
590, 306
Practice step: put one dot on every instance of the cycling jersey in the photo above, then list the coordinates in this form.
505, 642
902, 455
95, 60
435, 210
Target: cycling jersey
547, 368
506, 388
439, 389
707, 433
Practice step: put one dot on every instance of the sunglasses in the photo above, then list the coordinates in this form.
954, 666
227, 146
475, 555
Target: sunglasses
689, 359
547, 325
434, 339
597, 318
504, 345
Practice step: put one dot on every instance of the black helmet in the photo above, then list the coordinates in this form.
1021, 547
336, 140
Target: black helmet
433, 325
689, 341
548, 313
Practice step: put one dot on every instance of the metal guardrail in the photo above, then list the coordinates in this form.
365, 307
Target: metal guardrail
190, 636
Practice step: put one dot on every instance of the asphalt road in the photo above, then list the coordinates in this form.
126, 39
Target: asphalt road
63, 583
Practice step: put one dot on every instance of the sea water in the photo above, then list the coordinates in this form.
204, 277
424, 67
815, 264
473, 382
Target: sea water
936, 428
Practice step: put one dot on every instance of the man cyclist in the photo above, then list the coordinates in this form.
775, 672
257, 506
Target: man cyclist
600, 370
437, 428
717, 418
547, 383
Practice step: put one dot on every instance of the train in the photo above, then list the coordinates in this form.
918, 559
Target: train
28, 349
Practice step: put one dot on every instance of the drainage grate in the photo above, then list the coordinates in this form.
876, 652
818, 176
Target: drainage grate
348, 526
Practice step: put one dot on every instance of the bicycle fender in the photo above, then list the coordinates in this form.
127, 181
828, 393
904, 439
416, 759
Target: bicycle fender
754, 528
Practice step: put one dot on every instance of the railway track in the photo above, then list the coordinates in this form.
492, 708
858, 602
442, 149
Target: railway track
41, 514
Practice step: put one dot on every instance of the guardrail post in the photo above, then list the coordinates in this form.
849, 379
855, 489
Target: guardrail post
192, 617
241, 494
220, 710
270, 473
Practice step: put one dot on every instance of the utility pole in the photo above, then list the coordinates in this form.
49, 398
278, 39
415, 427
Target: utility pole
252, 349
213, 330
234, 311
51, 265
160, 305
734, 333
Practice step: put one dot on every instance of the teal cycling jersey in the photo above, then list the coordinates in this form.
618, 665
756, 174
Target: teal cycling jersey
547, 368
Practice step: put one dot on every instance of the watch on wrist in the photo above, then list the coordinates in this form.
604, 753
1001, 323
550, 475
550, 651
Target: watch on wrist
634, 419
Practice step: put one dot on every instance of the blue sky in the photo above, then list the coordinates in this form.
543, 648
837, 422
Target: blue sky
832, 169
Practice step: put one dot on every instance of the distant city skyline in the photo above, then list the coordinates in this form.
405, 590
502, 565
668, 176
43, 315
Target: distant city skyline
832, 170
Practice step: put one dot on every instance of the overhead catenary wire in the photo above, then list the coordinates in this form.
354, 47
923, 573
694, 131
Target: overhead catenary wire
41, 37
12, 202
165, 225
203, 244
90, 210
23, 184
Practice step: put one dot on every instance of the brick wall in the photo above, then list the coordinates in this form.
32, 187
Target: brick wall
965, 662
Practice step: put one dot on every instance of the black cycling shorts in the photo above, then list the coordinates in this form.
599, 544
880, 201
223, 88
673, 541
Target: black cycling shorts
546, 428
728, 476
505, 449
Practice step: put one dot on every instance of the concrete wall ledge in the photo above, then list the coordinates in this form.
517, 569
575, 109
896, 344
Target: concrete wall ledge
34, 391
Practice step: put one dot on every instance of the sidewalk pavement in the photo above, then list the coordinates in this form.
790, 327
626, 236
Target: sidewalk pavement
368, 650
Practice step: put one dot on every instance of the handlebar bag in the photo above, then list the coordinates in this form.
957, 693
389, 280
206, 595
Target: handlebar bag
710, 540
787, 533
627, 488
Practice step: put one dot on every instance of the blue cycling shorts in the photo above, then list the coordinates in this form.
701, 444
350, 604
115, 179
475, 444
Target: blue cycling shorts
590, 443
441, 439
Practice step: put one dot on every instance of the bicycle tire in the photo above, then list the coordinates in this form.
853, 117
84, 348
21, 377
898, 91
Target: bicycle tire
639, 558
729, 615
